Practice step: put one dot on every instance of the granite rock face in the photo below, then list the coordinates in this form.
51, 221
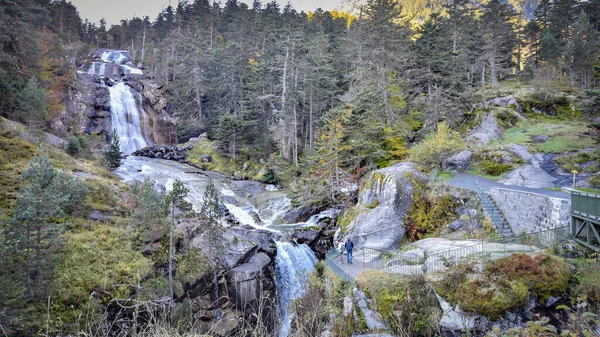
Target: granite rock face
384, 198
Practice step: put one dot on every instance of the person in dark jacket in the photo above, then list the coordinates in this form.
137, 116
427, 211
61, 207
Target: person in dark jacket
349, 245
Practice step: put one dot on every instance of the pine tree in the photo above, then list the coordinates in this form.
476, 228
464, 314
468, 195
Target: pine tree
47, 194
112, 155
176, 201
212, 230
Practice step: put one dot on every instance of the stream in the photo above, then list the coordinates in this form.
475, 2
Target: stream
263, 210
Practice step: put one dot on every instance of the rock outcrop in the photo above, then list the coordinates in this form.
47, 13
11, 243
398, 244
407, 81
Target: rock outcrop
384, 198
486, 132
459, 162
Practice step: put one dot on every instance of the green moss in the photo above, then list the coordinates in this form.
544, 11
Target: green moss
219, 162
544, 275
505, 284
595, 180
408, 303
348, 217
479, 294
445, 176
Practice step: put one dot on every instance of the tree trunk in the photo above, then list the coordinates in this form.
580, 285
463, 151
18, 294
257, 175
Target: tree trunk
493, 76
171, 302
28, 262
483, 83
143, 43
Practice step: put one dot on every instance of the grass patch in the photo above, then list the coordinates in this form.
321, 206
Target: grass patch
15, 155
219, 162
564, 135
445, 176
574, 161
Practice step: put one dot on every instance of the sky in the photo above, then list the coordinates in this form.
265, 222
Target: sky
115, 10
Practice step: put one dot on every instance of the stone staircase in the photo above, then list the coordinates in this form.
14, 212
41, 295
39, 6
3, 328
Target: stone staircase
501, 226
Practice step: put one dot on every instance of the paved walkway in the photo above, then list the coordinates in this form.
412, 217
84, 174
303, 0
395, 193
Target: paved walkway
470, 181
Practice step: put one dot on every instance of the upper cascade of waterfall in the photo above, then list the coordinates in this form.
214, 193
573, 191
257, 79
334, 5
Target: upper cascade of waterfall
116, 56
125, 117
120, 58
294, 265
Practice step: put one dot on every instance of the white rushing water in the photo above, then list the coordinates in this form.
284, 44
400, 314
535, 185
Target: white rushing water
125, 104
294, 265
125, 113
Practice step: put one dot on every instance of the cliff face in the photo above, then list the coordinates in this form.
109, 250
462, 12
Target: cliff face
88, 103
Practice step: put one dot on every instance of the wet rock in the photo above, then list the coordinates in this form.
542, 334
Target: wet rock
245, 279
458, 162
297, 214
308, 236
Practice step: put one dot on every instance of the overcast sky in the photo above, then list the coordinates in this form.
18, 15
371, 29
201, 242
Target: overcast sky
115, 10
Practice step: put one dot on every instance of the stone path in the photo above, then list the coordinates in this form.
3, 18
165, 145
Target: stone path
470, 181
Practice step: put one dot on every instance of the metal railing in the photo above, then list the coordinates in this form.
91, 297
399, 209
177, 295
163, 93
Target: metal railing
479, 253
586, 204
331, 259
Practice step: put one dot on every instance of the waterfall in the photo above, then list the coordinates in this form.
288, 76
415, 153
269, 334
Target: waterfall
125, 115
294, 265
125, 109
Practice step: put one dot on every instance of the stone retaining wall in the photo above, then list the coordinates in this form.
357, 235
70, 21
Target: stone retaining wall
530, 212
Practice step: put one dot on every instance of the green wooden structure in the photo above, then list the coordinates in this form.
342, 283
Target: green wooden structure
585, 219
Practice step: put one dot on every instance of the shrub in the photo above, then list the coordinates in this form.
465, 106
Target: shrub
408, 303
72, 147
495, 169
437, 146
269, 177
594, 180
588, 282
428, 214
544, 275
505, 284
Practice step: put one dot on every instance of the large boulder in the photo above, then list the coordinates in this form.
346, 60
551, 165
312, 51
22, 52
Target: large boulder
486, 132
245, 279
520, 151
506, 102
458, 162
385, 197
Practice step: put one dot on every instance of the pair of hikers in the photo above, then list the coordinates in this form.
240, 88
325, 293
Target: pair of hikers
347, 246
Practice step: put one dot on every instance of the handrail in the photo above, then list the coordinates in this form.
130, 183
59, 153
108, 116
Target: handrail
444, 257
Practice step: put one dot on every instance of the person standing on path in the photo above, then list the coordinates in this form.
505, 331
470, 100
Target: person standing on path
340, 248
349, 245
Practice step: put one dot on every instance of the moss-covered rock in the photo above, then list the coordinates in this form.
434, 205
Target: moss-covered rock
505, 284
407, 303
